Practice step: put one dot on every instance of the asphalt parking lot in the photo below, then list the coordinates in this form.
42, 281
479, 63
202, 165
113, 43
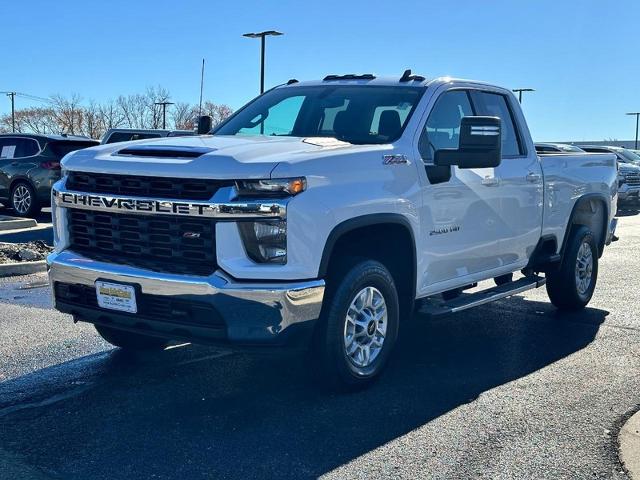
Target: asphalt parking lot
509, 390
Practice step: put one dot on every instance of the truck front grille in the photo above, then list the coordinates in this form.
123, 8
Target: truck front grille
632, 179
164, 244
141, 186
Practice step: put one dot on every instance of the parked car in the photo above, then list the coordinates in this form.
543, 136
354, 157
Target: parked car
628, 172
115, 135
30, 165
557, 148
319, 213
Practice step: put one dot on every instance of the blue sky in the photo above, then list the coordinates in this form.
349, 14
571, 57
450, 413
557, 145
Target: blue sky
582, 57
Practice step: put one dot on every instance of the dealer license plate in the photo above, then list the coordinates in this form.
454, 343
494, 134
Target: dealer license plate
114, 296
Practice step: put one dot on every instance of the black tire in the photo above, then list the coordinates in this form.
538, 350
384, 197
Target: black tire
338, 369
502, 279
130, 341
563, 285
22, 192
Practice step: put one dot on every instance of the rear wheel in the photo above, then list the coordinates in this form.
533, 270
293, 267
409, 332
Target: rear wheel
130, 341
571, 286
359, 326
23, 200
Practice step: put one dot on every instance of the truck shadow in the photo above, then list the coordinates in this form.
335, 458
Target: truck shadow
183, 414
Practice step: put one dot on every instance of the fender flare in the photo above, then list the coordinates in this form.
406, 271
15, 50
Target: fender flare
366, 221
600, 197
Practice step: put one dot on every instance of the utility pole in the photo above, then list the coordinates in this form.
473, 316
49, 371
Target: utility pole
164, 112
13, 110
262, 36
637, 114
520, 90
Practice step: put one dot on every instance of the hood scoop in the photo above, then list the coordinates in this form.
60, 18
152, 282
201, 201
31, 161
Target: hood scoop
164, 151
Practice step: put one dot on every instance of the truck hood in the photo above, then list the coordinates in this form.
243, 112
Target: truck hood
626, 168
215, 157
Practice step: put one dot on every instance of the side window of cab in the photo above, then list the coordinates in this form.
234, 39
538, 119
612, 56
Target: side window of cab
442, 129
496, 105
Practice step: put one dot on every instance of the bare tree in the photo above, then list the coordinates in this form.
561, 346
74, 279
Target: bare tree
93, 125
218, 113
184, 116
111, 115
70, 115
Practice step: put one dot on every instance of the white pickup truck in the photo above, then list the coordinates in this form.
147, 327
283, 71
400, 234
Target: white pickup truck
320, 213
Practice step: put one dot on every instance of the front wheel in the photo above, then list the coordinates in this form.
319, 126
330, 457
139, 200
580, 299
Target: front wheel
571, 286
359, 326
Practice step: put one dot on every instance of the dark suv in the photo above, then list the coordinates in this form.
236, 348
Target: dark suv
30, 165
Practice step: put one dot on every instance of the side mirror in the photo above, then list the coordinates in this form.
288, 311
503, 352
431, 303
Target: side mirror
480, 145
204, 124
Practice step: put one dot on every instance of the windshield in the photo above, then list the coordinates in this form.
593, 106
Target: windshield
353, 113
629, 156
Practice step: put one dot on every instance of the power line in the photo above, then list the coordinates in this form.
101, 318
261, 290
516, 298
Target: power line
29, 97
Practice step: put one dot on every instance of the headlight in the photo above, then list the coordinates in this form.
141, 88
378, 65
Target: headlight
265, 241
277, 187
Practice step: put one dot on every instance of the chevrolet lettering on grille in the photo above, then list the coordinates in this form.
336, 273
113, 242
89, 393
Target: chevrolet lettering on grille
114, 203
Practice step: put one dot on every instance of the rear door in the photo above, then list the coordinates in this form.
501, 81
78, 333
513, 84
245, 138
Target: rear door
521, 183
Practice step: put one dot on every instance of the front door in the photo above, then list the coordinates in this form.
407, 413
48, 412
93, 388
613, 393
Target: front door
460, 212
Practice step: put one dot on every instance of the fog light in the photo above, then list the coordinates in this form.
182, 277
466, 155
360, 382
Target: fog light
265, 241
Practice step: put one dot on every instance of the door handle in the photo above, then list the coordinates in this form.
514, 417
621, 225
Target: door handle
489, 181
533, 177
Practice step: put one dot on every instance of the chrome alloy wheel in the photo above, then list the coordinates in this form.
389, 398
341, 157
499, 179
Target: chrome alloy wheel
584, 268
365, 327
22, 199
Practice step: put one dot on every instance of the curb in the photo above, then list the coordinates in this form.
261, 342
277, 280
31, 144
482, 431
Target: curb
22, 268
629, 440
25, 235
15, 223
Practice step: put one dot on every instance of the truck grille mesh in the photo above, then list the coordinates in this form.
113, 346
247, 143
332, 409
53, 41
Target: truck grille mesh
167, 244
140, 186
632, 179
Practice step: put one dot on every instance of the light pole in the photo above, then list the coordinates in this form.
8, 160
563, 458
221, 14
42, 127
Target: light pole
520, 90
262, 36
164, 112
637, 114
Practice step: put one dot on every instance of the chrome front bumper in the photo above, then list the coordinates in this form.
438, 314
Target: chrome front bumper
252, 312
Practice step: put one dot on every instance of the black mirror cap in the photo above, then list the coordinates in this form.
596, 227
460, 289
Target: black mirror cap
480, 133
204, 124
480, 145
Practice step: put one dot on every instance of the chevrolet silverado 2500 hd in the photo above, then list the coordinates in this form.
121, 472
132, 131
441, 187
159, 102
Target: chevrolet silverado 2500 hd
320, 212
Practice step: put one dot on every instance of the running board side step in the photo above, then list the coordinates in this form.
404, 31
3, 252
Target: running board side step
436, 307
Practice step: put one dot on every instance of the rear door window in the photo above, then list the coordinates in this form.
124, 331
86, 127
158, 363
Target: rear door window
18, 148
496, 105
